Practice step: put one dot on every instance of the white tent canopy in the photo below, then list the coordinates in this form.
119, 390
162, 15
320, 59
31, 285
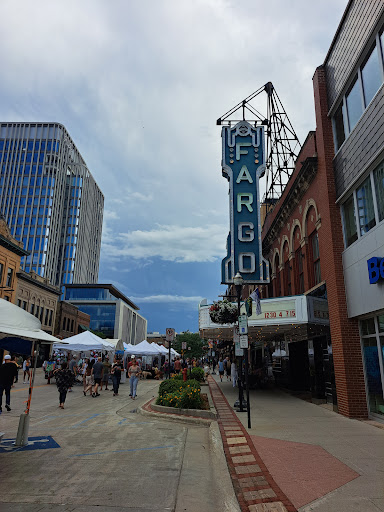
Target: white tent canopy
83, 342
144, 349
16, 322
117, 344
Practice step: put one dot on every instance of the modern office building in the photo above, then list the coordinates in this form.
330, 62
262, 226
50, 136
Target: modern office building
112, 313
51, 202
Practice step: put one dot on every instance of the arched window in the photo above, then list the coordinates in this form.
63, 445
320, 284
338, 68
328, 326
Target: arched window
287, 271
278, 277
299, 263
314, 252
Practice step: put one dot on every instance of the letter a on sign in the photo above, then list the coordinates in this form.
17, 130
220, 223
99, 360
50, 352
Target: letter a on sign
243, 164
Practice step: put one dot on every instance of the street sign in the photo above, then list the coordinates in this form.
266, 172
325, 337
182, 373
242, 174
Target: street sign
243, 324
244, 341
236, 335
189, 348
169, 334
238, 350
184, 345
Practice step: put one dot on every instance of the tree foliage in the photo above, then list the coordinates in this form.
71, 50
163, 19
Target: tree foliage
193, 340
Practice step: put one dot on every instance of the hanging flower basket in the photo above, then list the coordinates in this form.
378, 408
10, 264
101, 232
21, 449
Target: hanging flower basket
223, 312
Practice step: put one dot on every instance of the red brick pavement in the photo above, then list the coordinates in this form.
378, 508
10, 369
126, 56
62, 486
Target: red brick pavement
254, 486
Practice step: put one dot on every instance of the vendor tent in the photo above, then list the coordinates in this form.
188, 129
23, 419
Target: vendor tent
18, 329
145, 349
83, 342
116, 344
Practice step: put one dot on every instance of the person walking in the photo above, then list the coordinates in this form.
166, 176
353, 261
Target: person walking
107, 369
15, 362
26, 368
89, 383
83, 371
49, 369
116, 370
133, 374
74, 369
97, 372
177, 365
221, 369
64, 380
234, 374
228, 368
8, 372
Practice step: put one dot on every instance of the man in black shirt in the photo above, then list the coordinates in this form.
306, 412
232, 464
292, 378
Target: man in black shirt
8, 372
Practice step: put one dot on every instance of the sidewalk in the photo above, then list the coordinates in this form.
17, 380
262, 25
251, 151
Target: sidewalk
320, 460
99, 454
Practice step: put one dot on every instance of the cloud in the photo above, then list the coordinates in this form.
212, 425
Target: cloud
168, 299
170, 243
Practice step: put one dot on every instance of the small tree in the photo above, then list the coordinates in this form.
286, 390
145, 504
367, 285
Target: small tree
193, 340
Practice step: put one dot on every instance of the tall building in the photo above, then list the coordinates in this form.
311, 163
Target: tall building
51, 202
111, 312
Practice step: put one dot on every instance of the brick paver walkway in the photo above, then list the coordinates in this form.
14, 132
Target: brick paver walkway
254, 486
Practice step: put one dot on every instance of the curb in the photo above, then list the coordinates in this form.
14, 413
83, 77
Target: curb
147, 410
254, 486
194, 413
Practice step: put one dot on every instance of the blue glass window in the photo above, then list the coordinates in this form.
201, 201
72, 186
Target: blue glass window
365, 207
1, 144
42, 145
29, 158
354, 104
37, 145
30, 145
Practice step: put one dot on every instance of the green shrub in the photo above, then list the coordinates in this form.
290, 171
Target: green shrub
186, 398
197, 374
168, 386
178, 377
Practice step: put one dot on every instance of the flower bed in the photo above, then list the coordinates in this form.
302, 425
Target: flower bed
179, 394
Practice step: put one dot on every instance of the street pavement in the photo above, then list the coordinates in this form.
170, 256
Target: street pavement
320, 460
108, 457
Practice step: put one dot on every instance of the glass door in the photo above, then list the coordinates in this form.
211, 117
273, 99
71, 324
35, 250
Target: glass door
373, 351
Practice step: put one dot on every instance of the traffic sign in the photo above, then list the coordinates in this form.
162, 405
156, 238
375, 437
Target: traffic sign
169, 334
236, 334
244, 341
184, 345
243, 324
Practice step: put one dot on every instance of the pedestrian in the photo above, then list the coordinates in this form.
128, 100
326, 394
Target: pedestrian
83, 370
8, 372
133, 374
228, 368
221, 369
49, 368
116, 370
89, 382
26, 369
15, 362
107, 369
234, 374
64, 380
74, 368
177, 365
213, 366
97, 372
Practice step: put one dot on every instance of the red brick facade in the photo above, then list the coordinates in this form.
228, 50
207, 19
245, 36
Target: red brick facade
308, 211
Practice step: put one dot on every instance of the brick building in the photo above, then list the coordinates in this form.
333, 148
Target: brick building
36, 295
11, 252
70, 320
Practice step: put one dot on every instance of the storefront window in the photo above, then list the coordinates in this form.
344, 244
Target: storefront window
349, 221
373, 350
378, 176
366, 211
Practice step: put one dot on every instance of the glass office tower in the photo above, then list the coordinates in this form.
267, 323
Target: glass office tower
51, 202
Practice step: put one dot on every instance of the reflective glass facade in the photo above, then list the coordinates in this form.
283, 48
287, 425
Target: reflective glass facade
111, 312
50, 202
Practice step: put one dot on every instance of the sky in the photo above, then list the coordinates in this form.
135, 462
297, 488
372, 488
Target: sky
139, 86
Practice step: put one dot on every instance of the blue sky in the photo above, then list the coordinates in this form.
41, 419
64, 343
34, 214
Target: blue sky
139, 86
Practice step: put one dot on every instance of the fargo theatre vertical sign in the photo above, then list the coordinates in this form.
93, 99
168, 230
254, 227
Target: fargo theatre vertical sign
243, 165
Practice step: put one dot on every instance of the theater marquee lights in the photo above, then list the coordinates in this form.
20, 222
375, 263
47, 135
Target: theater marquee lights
243, 165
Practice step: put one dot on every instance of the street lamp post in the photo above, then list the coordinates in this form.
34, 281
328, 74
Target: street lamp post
238, 282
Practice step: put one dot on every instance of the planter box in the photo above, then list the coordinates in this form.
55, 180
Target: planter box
199, 413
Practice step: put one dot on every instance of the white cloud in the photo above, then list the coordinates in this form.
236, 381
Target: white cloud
170, 243
168, 299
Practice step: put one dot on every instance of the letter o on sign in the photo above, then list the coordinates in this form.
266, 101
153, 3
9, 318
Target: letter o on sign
247, 262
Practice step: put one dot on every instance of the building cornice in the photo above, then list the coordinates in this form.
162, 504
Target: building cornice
297, 190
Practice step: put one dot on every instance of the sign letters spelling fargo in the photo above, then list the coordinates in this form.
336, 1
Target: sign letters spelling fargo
243, 165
